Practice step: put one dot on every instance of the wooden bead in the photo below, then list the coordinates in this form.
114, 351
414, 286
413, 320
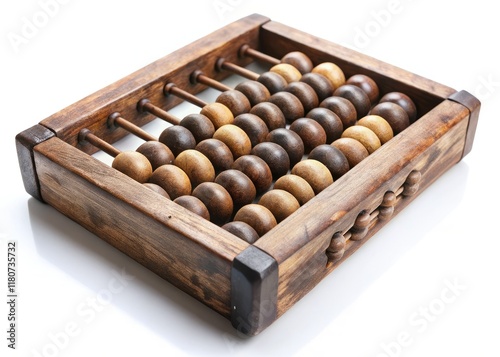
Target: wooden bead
394, 114
133, 164
331, 71
236, 101
379, 126
290, 141
356, 96
217, 152
157, 189
367, 84
242, 230
218, 114
404, 102
239, 186
332, 158
196, 165
352, 149
199, 125
299, 60
258, 217
321, 85
194, 205
287, 71
281, 203
235, 138
256, 169
157, 153
217, 200
343, 108
305, 93
271, 114
253, 126
297, 186
289, 104
255, 91
178, 139
310, 131
315, 173
275, 156
330, 122
273, 81
173, 180
364, 135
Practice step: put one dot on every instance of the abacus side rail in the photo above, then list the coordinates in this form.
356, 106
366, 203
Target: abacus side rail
167, 239
430, 146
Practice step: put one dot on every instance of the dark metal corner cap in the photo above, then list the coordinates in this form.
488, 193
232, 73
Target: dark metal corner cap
254, 291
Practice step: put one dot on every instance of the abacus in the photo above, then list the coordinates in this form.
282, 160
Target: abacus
248, 202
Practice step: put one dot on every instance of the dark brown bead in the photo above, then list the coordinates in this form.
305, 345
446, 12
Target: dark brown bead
236, 101
332, 158
289, 104
367, 84
173, 180
258, 217
158, 189
242, 230
239, 186
217, 200
272, 81
356, 96
255, 91
281, 203
290, 141
217, 152
271, 114
310, 131
253, 126
178, 139
275, 156
256, 169
305, 93
330, 122
395, 115
193, 204
157, 153
199, 125
299, 60
343, 108
404, 102
321, 85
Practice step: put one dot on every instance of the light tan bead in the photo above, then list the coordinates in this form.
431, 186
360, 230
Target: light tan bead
364, 135
280, 202
315, 173
287, 71
331, 71
218, 114
379, 126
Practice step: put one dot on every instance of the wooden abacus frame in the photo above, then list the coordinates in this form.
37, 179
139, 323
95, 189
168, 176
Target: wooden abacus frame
250, 284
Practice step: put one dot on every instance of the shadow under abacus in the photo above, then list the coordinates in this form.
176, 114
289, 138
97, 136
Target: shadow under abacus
166, 311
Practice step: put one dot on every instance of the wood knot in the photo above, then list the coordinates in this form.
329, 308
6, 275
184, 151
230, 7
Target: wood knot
411, 185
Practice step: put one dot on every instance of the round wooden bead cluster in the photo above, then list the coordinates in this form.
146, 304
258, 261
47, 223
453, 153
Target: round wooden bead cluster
249, 160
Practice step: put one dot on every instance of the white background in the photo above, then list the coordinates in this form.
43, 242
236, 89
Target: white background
373, 305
